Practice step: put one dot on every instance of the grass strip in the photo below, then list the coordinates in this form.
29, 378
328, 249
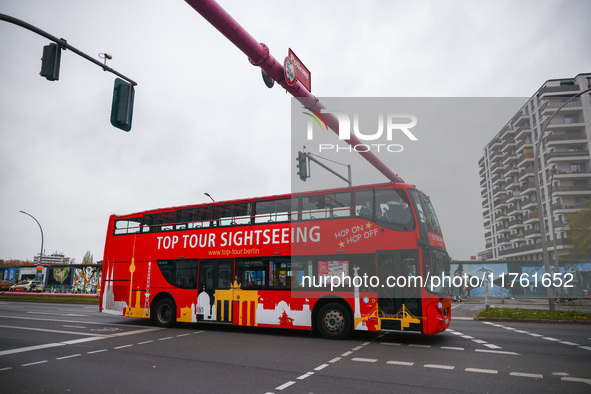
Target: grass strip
50, 298
519, 313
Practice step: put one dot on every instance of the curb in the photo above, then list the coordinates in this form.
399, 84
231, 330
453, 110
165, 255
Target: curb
551, 321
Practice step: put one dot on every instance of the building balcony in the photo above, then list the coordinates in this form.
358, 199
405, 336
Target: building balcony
566, 174
510, 169
516, 237
495, 144
568, 208
525, 172
530, 218
513, 196
556, 157
551, 106
499, 191
524, 143
526, 158
564, 139
497, 180
516, 223
522, 132
508, 158
552, 91
521, 118
528, 187
575, 190
507, 143
528, 203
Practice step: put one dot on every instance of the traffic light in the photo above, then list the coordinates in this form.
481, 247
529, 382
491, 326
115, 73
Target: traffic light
122, 107
50, 62
302, 166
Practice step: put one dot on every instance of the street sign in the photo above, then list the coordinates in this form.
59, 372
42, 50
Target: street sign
294, 70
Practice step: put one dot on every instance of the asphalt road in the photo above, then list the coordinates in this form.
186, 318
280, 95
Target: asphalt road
59, 348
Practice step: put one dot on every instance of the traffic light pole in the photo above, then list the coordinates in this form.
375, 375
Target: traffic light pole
63, 44
327, 168
258, 55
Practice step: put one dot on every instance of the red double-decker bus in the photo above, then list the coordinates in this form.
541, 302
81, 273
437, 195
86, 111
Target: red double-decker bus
357, 258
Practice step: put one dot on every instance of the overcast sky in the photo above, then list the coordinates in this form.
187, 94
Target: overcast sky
205, 122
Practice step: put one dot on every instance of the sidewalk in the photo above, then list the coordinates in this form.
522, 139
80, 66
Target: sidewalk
470, 307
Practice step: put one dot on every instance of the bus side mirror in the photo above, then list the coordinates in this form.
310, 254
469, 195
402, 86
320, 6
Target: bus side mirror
446, 262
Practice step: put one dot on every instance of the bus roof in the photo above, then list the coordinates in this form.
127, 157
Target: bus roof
271, 197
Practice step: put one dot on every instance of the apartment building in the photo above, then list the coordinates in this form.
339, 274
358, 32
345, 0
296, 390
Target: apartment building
508, 177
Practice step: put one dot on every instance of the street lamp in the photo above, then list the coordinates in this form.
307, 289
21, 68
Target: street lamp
545, 256
207, 194
40, 254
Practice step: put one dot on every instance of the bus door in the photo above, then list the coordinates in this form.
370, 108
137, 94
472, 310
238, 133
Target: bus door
399, 293
214, 301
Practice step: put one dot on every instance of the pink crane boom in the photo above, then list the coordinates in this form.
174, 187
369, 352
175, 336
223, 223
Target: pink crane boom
258, 54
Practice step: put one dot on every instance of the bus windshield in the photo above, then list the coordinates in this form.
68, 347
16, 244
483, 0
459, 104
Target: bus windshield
426, 212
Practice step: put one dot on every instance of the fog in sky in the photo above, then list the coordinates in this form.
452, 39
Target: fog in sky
205, 122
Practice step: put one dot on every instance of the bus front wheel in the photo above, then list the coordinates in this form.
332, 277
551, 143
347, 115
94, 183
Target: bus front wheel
334, 321
165, 313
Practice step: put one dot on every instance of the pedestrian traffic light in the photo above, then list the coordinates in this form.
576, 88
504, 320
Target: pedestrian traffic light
122, 106
50, 62
302, 166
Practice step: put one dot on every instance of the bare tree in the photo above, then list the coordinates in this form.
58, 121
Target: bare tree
88, 259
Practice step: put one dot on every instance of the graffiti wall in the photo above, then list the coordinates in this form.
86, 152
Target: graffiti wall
84, 279
520, 279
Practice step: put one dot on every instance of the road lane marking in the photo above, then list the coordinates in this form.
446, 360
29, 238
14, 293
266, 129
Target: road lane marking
364, 360
334, 360
56, 314
496, 352
320, 367
452, 348
346, 354
30, 348
490, 345
285, 385
527, 375
35, 363
439, 366
122, 347
97, 351
390, 343
82, 340
571, 379
70, 356
405, 363
479, 370
585, 347
304, 376
569, 343
90, 338
48, 330
421, 346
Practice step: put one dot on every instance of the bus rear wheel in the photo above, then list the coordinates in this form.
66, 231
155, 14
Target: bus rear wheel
334, 321
165, 313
